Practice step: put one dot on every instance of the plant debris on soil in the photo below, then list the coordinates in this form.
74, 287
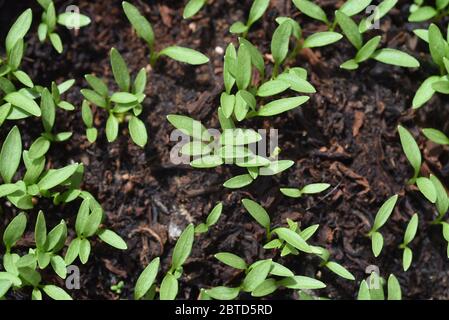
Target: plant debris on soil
345, 135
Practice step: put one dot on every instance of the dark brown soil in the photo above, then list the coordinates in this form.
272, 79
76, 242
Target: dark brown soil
346, 136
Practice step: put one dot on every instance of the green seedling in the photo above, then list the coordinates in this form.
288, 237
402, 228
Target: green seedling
289, 240
439, 51
373, 289
88, 224
257, 10
22, 271
145, 287
313, 188
211, 220
287, 248
243, 94
377, 240
123, 105
317, 39
15, 47
350, 8
262, 278
117, 288
420, 12
354, 32
18, 92
145, 31
231, 147
36, 182
50, 20
409, 235
369, 50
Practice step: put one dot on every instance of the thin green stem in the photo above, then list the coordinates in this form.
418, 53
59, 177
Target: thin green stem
153, 57
275, 71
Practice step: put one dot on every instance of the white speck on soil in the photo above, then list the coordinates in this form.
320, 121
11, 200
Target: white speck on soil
219, 50
173, 230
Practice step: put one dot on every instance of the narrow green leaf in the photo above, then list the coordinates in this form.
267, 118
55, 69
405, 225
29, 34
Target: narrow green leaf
97, 84
190, 127
55, 177
340, 270
396, 58
192, 7
10, 154
280, 42
272, 87
394, 288
315, 188
427, 188
120, 70
257, 212
412, 227
384, 212
293, 239
146, 279
243, 76
377, 242
353, 7
422, 14
425, 92
363, 293
23, 102
214, 215
140, 24
112, 127
276, 167
291, 192
231, 260
48, 110
301, 283
85, 249
183, 247
368, 49
311, 9
238, 182
256, 276
282, 105
19, 29
138, 131
411, 150
223, 293
257, 10
59, 266
14, 230
169, 287
113, 239
238, 27
39, 148
56, 42
40, 231
56, 293
185, 55
350, 29
265, 288
407, 258
321, 39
